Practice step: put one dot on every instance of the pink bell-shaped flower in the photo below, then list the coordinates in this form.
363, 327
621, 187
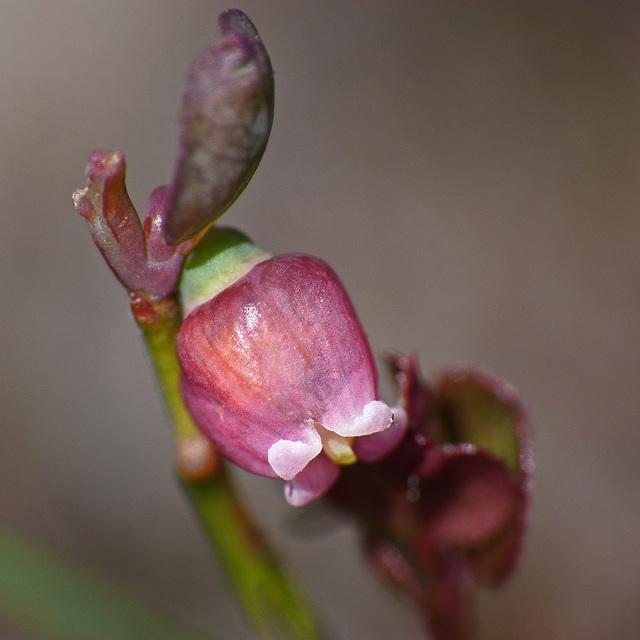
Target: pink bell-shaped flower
277, 369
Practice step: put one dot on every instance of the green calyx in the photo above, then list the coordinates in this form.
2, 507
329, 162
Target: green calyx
221, 257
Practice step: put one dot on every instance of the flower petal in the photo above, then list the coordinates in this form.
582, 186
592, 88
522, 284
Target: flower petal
467, 501
228, 431
288, 458
376, 416
375, 446
312, 482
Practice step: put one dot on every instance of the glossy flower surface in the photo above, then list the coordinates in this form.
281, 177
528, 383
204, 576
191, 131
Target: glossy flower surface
279, 374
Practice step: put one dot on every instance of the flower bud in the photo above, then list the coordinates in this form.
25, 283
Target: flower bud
277, 369
226, 118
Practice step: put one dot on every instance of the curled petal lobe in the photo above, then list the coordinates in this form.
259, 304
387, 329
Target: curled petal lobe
288, 458
314, 481
375, 446
376, 416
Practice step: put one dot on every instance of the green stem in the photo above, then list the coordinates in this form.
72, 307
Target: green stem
268, 596
252, 569
160, 322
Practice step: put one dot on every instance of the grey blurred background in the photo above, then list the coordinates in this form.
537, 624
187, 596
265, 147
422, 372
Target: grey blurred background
469, 169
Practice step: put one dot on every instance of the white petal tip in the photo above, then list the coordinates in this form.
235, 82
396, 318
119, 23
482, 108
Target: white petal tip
314, 481
376, 416
288, 458
376, 446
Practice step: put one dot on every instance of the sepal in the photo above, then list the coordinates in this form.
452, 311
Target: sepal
222, 257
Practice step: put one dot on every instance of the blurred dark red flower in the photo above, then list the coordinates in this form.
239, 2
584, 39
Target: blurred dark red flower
445, 510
